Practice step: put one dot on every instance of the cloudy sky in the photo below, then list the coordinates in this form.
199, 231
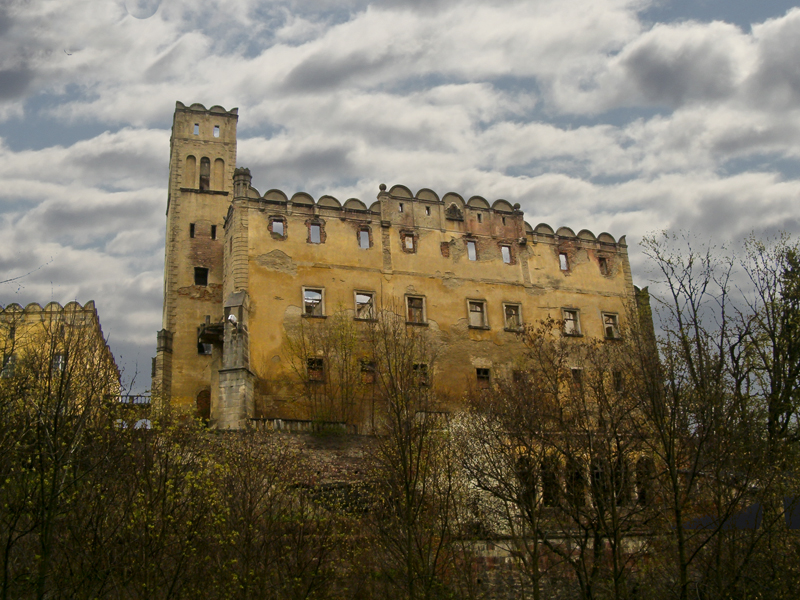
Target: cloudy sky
626, 116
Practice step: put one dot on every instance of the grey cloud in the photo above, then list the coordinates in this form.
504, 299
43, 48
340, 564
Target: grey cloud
323, 72
776, 82
15, 82
700, 72
5, 21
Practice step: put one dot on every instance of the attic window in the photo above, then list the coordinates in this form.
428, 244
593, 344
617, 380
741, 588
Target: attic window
197, 128
213, 232
216, 131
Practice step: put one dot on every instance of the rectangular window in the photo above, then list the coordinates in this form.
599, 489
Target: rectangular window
204, 349
213, 232
513, 316
200, 276
484, 377
577, 381
563, 263
611, 326
216, 131
276, 226
506, 252
572, 324
477, 314
400, 207
367, 371
408, 242
59, 362
472, 250
618, 382
365, 306
416, 309
316, 369
603, 262
313, 302
428, 211
480, 218
420, 372
197, 128
314, 234
363, 239
191, 230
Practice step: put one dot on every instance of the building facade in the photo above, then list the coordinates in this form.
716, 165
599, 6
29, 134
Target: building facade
246, 271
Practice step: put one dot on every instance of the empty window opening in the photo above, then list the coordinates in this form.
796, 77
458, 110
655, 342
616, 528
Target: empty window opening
611, 326
577, 381
480, 218
484, 377
363, 239
550, 485
645, 472
216, 131
200, 276
197, 128
622, 482
472, 250
313, 302
563, 263
315, 369
572, 324
59, 362
314, 234
9, 366
204, 348
428, 211
513, 316
400, 207
477, 314
367, 371
619, 385
409, 243
576, 489
504, 220
603, 262
205, 173
420, 372
506, 252
277, 227
213, 232
12, 332
416, 309
191, 230
365, 305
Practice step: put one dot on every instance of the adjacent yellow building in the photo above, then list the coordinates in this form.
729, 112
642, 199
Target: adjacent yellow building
246, 271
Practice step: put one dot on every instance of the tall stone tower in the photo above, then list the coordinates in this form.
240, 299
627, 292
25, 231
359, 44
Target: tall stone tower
201, 165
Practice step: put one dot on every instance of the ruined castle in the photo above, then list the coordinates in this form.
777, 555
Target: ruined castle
245, 269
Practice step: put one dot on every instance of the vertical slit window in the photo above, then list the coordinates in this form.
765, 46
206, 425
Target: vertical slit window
205, 173
363, 239
563, 263
216, 131
191, 230
506, 252
472, 250
213, 232
314, 234
197, 128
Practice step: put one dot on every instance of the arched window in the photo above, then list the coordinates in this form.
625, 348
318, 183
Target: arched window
219, 174
190, 173
205, 173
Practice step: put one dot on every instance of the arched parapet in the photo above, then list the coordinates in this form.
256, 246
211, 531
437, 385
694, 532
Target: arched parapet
12, 308
253, 193
478, 202
606, 238
274, 195
585, 234
428, 194
565, 232
33, 307
502, 206
623, 242
329, 202
400, 191
375, 207
302, 198
453, 198
53, 307
72, 306
543, 229
356, 204
198, 107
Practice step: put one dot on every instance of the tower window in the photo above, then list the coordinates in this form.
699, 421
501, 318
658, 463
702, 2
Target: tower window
603, 263
363, 239
313, 302
200, 276
513, 316
216, 131
416, 309
480, 218
484, 377
314, 233
316, 369
428, 211
205, 173
365, 305
572, 324
400, 207
611, 326
213, 232
277, 226
506, 252
472, 250
197, 128
191, 230
563, 263
477, 314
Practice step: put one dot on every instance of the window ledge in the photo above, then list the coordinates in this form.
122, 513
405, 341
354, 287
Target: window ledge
514, 329
617, 338
305, 316
417, 324
199, 191
575, 335
365, 320
484, 327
